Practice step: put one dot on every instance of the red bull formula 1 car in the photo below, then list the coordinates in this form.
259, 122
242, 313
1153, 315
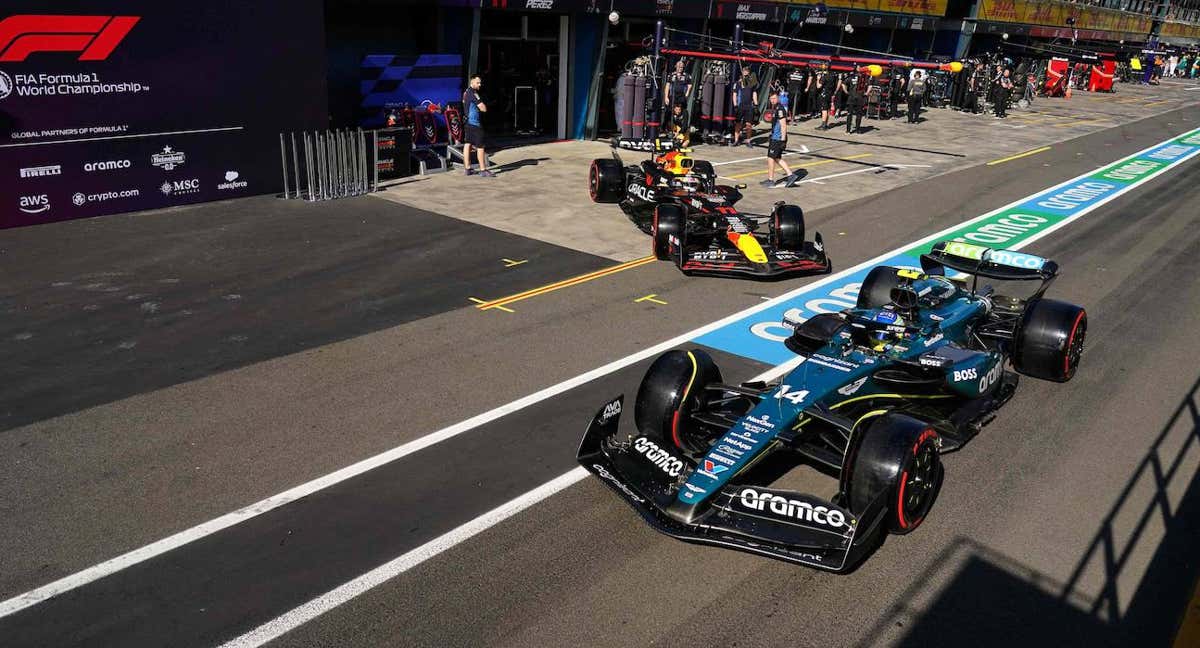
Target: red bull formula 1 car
694, 222
915, 370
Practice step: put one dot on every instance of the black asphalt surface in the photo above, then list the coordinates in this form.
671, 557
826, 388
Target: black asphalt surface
1051, 528
122, 305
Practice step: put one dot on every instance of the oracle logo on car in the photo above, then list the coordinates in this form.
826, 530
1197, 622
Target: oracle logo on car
95, 37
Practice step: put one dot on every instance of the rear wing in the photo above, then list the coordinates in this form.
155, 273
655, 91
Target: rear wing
985, 262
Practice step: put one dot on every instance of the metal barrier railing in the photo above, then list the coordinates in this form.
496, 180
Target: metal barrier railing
327, 165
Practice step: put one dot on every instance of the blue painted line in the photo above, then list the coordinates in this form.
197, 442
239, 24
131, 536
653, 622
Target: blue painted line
759, 334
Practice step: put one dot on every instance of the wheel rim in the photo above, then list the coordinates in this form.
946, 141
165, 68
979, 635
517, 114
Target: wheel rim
1075, 346
918, 485
593, 182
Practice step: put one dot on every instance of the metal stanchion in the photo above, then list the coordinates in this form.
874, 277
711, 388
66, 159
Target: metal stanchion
343, 167
357, 151
308, 171
295, 166
375, 161
330, 171
322, 178
337, 164
283, 159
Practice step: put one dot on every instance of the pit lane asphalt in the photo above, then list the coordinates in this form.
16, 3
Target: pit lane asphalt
580, 568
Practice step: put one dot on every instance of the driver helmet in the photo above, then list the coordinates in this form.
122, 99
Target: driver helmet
887, 317
677, 163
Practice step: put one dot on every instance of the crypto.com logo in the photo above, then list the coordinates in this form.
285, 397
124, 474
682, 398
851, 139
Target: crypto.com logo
94, 36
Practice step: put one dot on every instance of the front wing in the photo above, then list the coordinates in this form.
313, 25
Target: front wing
728, 523
780, 263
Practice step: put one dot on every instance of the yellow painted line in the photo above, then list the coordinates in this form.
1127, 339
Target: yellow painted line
559, 285
650, 298
480, 301
806, 166
508, 263
1189, 629
1157, 103
1018, 156
1081, 122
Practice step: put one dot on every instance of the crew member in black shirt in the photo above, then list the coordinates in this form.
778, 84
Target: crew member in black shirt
745, 103
678, 125
679, 86
854, 101
796, 81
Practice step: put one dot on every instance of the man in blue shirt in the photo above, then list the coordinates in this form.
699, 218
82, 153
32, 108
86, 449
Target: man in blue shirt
474, 107
777, 144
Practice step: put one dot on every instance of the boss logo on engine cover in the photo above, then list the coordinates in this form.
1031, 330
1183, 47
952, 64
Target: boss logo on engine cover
667, 462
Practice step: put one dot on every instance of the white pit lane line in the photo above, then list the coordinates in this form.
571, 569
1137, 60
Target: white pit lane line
147, 552
298, 616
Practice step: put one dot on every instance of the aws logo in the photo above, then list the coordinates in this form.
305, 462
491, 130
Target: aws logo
94, 37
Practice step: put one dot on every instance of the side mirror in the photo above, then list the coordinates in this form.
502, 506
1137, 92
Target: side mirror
740, 185
793, 318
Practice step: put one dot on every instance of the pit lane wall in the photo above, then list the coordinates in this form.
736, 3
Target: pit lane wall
1091, 23
760, 335
111, 106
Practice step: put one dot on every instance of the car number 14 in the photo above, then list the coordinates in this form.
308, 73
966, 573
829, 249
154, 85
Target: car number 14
796, 397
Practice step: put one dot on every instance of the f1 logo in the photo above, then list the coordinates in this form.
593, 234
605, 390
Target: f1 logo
95, 36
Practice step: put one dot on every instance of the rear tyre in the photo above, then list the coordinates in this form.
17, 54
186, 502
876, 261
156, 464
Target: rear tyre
787, 228
896, 465
606, 181
876, 291
671, 390
1049, 340
669, 221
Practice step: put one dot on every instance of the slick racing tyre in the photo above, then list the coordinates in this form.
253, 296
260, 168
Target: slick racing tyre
669, 220
606, 181
703, 169
876, 291
672, 389
1049, 340
787, 228
896, 464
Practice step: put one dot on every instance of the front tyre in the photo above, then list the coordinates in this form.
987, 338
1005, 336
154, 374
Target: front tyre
897, 466
787, 228
1049, 341
668, 231
606, 181
671, 390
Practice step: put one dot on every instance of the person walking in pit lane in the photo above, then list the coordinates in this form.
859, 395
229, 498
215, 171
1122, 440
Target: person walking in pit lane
473, 135
916, 94
777, 144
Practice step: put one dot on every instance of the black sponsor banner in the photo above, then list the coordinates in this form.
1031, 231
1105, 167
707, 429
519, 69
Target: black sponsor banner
109, 106
750, 11
664, 8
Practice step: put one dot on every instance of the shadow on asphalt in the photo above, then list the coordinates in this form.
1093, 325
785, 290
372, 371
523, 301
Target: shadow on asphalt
513, 166
995, 600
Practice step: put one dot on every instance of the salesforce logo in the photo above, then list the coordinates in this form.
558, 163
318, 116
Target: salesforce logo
232, 182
